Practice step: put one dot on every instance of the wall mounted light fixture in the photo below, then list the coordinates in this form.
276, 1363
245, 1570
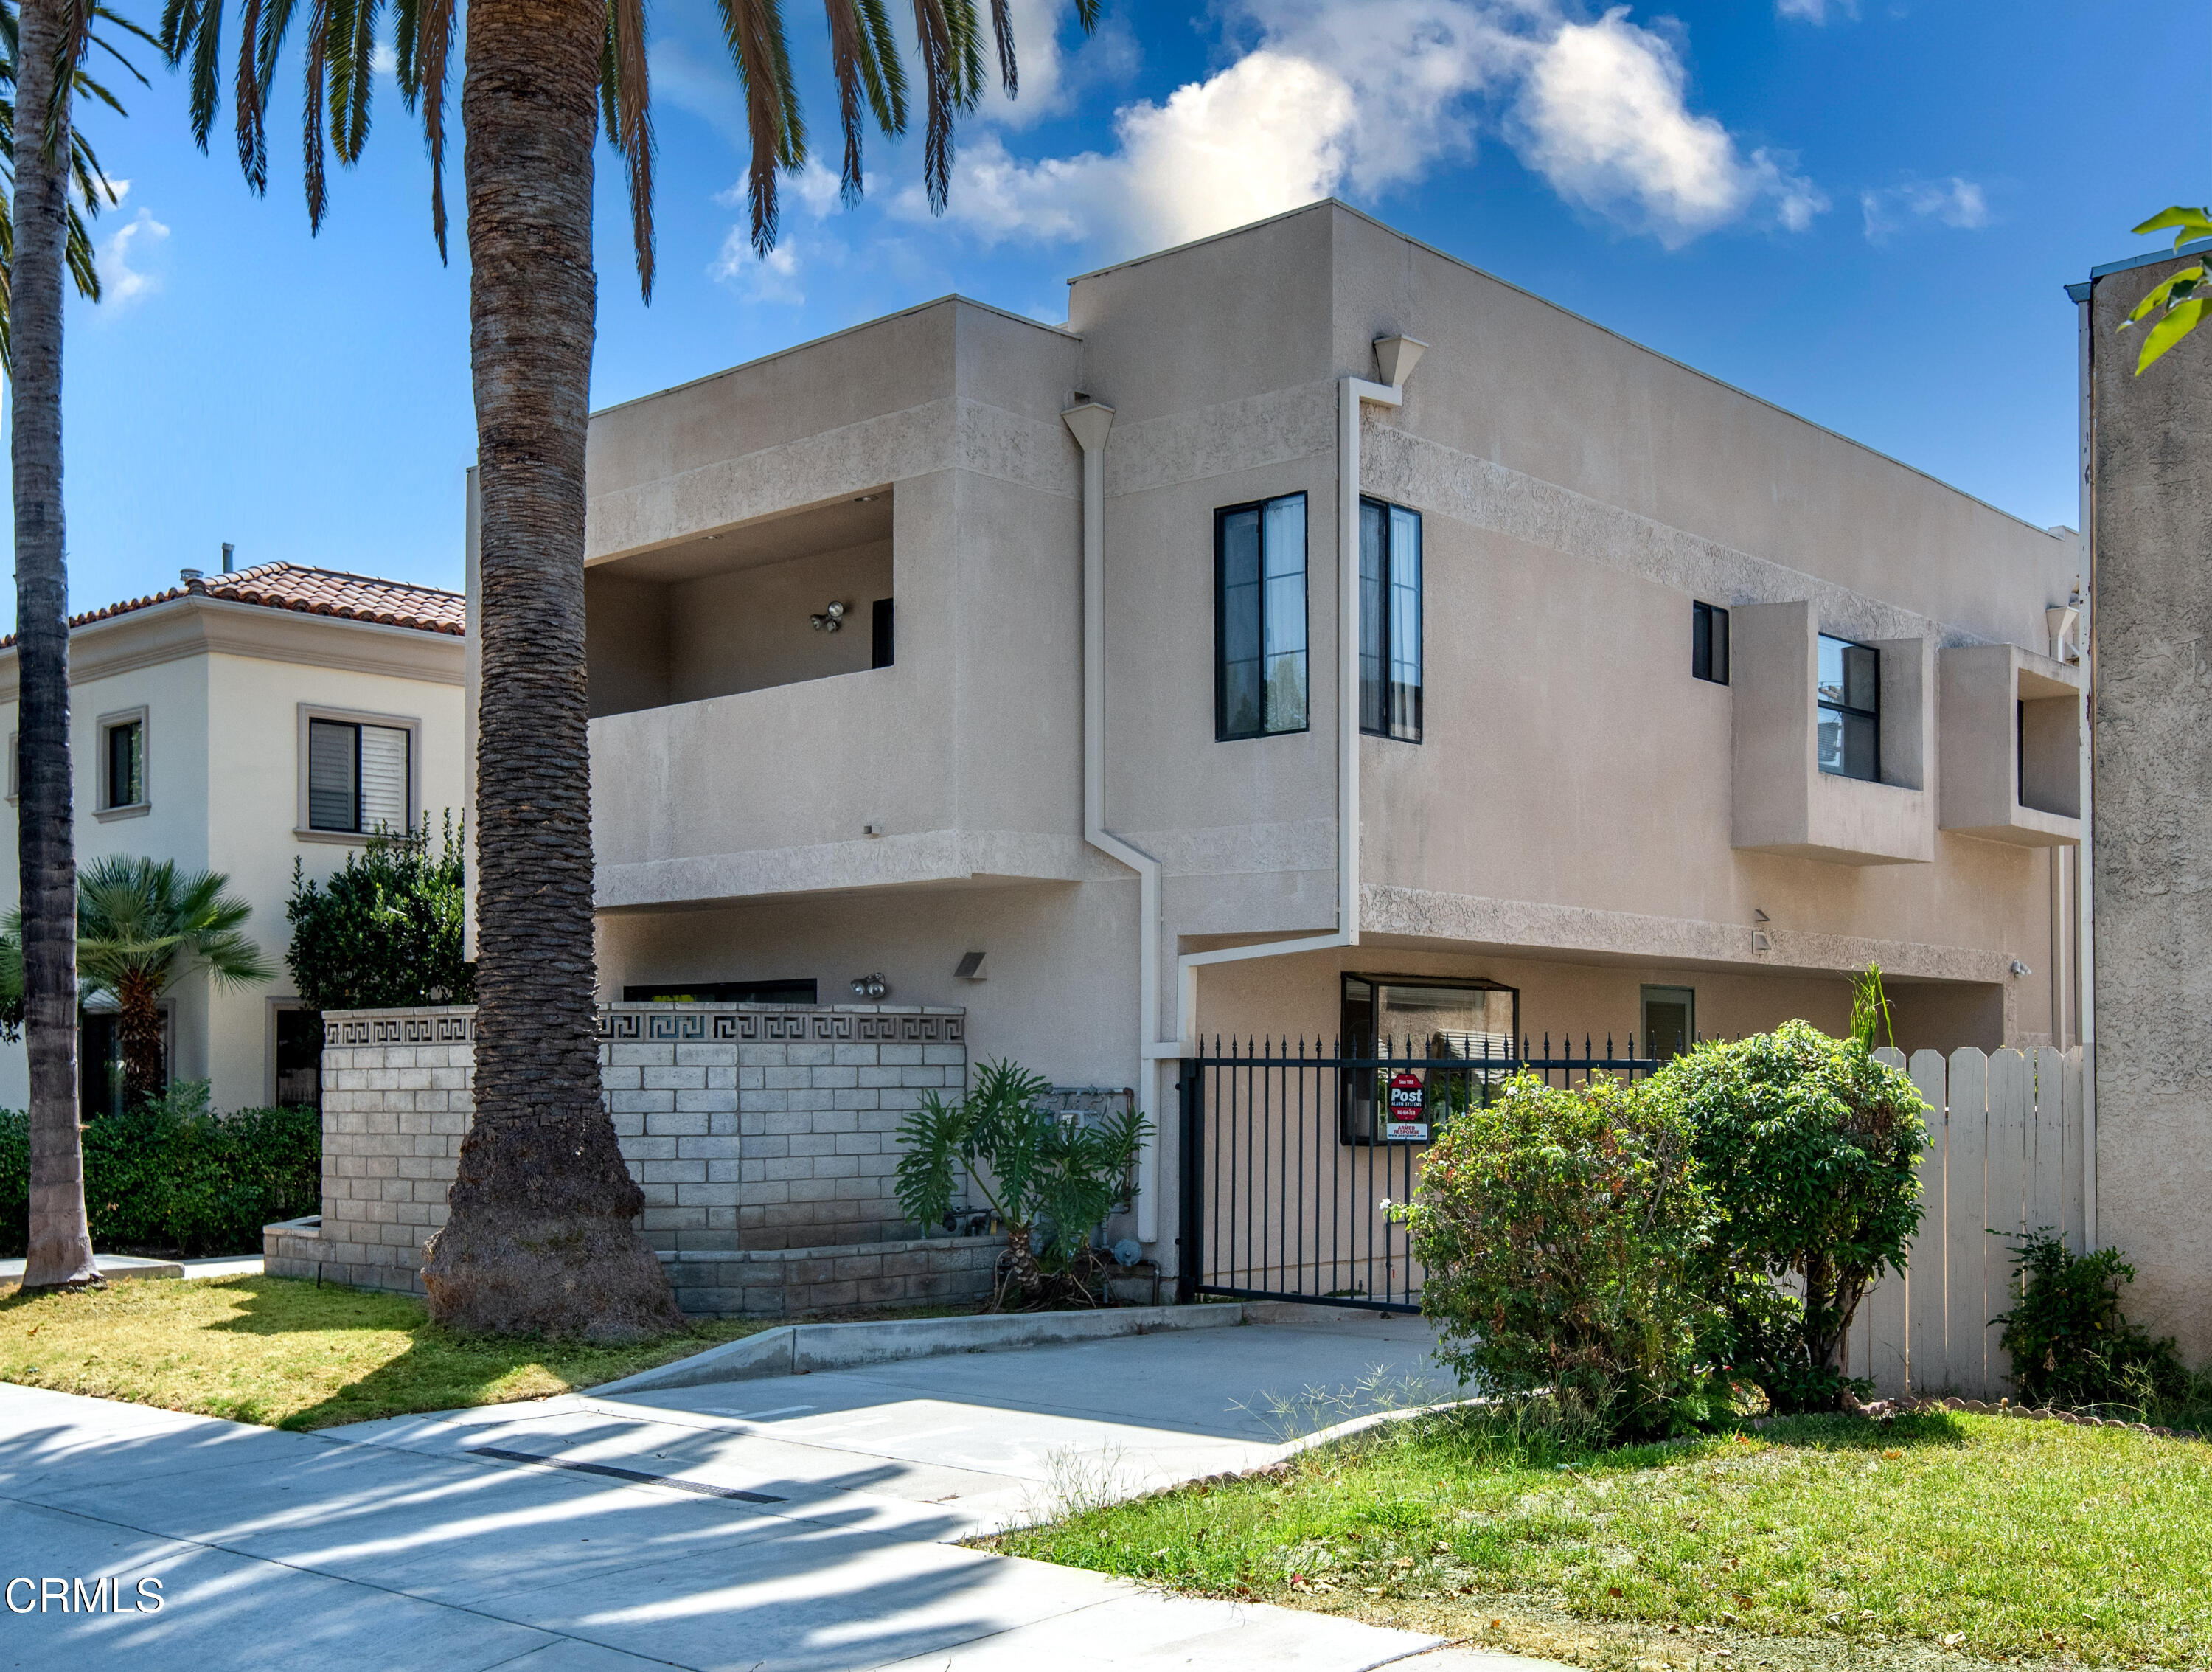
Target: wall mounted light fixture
869, 986
830, 619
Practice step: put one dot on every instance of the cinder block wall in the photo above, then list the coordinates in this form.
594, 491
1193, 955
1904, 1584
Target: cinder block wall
749, 1127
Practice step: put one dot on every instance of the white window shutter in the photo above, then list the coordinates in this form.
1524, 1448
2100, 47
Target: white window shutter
329, 775
384, 779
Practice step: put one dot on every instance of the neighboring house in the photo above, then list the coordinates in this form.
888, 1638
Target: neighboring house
238, 723
1452, 664
2147, 507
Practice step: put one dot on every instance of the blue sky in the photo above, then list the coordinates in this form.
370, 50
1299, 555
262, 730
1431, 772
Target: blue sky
1862, 211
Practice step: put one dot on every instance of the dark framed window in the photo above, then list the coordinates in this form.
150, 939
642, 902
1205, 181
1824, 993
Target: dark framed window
721, 993
1709, 642
298, 1057
99, 1059
358, 776
1389, 621
880, 645
1848, 687
1260, 671
122, 765
1670, 1021
1435, 1018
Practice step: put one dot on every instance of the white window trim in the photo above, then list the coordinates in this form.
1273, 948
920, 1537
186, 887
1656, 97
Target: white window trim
413, 726
102, 810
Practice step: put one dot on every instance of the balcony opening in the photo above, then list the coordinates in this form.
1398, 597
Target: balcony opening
2047, 736
804, 595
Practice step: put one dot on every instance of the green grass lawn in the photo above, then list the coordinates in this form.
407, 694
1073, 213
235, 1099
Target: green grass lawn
288, 1354
1814, 1541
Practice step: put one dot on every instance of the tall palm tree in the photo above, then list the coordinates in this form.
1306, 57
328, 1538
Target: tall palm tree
539, 1238
46, 51
142, 927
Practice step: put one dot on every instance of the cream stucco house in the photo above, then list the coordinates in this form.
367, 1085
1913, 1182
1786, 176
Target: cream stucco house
1315, 635
237, 722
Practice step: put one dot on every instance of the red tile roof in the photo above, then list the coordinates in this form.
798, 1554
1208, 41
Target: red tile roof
311, 592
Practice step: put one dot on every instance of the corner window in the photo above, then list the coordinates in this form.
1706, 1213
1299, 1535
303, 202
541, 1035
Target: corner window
1848, 722
358, 777
1260, 618
1708, 643
1389, 621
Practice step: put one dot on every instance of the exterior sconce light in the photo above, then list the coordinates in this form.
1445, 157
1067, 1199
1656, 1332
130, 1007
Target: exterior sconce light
830, 620
2020, 969
869, 986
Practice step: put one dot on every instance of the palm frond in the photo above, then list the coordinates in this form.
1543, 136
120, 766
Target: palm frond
940, 88
427, 33
627, 97
352, 75
310, 114
753, 31
1002, 30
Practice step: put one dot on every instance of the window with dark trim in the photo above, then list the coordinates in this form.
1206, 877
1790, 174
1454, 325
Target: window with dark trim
122, 764
721, 993
1389, 621
1709, 642
1848, 688
358, 777
1260, 618
880, 644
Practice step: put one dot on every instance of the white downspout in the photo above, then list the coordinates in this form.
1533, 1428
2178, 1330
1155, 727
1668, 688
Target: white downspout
2085, 871
1090, 423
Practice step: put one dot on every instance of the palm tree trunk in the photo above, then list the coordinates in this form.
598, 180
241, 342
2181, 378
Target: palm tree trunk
138, 1004
60, 1253
539, 1236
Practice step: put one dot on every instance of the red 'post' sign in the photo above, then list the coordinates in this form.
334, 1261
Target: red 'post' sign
1408, 1120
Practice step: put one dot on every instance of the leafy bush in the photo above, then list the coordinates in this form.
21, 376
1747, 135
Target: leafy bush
170, 1178
1810, 1148
384, 931
1041, 1173
2069, 1342
1562, 1232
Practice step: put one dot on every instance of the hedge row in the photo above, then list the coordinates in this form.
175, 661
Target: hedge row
176, 1180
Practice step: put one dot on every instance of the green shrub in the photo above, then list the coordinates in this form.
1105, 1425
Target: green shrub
385, 930
170, 1178
1562, 1232
1810, 1148
2069, 1342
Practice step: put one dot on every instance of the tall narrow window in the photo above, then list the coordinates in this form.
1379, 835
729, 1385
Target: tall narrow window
1389, 621
1708, 643
1260, 618
1849, 691
881, 647
357, 777
124, 768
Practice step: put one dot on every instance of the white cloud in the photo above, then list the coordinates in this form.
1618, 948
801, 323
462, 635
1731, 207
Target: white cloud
120, 283
1954, 202
1605, 121
1367, 95
1815, 12
774, 277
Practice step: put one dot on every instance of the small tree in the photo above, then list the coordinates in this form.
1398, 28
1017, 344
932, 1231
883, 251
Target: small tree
1037, 1170
386, 930
142, 926
1811, 1148
1561, 1232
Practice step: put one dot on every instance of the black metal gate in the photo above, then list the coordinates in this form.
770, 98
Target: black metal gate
1291, 1155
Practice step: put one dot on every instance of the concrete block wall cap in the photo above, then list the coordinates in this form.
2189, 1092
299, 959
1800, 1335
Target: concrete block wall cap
794, 1349
307, 1225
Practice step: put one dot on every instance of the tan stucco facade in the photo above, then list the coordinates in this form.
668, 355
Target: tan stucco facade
222, 686
1581, 819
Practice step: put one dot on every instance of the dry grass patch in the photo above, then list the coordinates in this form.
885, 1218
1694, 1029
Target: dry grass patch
288, 1354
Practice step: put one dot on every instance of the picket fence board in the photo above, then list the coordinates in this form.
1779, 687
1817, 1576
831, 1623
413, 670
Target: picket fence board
1924, 1354
1966, 1195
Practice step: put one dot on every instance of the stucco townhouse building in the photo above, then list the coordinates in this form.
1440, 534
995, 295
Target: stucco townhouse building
1314, 636
238, 722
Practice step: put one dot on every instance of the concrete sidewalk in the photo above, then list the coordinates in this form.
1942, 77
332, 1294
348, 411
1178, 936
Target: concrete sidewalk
800, 1524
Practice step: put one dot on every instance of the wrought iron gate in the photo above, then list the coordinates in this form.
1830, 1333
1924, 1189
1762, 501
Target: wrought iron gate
1290, 1154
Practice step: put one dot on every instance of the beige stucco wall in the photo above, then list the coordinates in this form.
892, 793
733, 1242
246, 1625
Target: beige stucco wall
1572, 812
2152, 844
222, 782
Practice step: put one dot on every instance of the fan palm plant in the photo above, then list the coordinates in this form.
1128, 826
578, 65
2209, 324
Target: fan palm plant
142, 927
539, 1236
46, 45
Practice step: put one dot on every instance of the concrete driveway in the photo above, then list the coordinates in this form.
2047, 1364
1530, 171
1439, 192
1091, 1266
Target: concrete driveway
798, 1524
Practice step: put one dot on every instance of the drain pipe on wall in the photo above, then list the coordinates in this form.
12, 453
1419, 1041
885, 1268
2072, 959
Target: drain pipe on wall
1089, 422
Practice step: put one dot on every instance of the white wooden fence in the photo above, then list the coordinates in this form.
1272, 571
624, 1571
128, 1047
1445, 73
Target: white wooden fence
2005, 1155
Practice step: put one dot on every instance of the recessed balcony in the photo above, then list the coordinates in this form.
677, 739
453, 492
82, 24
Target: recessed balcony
2012, 746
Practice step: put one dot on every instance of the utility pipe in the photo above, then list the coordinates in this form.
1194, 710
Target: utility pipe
1089, 422
2085, 869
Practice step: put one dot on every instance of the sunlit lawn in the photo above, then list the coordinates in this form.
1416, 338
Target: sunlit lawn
1979, 1536
288, 1354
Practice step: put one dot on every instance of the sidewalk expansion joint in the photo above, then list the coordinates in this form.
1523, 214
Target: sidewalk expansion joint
644, 1476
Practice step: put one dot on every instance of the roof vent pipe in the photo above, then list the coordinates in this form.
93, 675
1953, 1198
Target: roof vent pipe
228, 549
